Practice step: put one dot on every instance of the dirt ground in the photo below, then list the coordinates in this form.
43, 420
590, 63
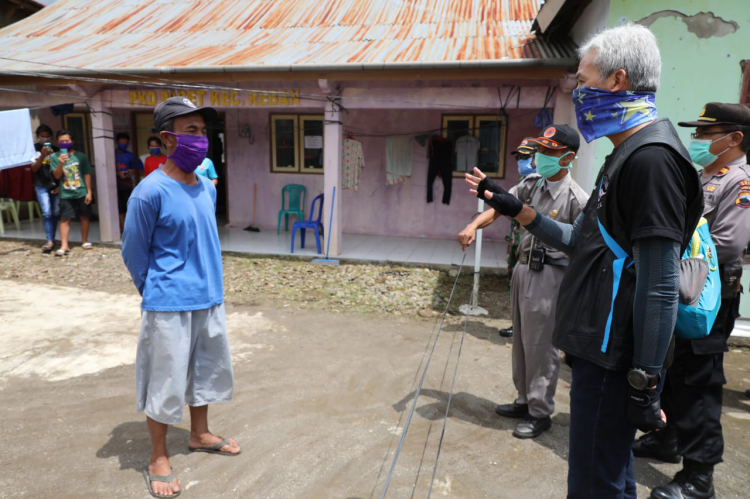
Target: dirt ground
320, 399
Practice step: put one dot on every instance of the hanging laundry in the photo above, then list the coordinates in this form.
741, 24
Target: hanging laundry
398, 159
441, 152
17, 145
354, 161
17, 183
467, 153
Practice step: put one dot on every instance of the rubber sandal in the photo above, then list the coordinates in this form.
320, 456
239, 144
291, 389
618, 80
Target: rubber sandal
86, 246
47, 248
61, 252
159, 478
214, 449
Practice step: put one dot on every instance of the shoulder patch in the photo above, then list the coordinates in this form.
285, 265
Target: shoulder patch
743, 200
711, 188
722, 172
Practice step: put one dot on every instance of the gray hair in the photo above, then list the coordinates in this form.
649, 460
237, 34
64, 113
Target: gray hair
631, 47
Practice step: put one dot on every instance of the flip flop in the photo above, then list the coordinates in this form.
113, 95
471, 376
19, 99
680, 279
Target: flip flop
86, 246
61, 252
214, 449
159, 478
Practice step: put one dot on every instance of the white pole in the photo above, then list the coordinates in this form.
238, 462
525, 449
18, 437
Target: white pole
477, 260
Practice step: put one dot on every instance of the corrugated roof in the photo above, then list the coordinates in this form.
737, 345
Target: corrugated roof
149, 34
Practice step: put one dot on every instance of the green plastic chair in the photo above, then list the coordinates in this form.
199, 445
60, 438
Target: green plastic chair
297, 195
9, 207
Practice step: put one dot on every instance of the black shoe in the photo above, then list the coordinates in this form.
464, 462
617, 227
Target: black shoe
513, 410
687, 484
507, 333
661, 445
532, 427
747, 392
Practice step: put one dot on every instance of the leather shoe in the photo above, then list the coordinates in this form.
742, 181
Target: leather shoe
687, 484
507, 333
513, 410
532, 427
660, 445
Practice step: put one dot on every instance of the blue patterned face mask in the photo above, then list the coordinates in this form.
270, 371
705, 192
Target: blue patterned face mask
601, 113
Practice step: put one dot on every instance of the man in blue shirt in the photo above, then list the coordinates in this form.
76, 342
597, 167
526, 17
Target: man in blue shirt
208, 170
128, 169
171, 248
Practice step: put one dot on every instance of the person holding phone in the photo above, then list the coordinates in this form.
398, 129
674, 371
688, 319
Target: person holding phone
45, 185
73, 171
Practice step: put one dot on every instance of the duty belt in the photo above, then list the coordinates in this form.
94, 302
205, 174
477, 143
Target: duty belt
559, 262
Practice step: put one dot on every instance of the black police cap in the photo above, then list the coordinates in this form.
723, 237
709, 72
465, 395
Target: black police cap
559, 137
718, 113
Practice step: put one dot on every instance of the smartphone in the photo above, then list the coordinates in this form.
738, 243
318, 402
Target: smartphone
48, 145
63, 151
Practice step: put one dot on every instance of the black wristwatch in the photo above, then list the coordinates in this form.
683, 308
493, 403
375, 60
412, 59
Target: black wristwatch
641, 380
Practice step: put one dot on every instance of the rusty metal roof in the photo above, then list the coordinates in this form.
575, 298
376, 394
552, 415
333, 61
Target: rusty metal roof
264, 35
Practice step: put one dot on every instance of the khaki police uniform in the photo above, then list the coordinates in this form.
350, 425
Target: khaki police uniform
536, 363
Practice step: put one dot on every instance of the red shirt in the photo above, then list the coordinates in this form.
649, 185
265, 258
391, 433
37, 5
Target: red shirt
153, 163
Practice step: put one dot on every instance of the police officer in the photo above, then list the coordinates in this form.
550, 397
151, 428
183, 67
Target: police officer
693, 386
536, 279
617, 304
524, 158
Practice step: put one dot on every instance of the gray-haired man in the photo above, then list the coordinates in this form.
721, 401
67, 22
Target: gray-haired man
617, 305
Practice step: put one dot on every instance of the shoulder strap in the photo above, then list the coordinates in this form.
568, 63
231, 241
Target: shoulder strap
620, 263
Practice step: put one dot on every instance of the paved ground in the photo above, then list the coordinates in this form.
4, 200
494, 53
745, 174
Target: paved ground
319, 405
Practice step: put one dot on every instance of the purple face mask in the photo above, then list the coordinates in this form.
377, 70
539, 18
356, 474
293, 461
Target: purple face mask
190, 152
65, 145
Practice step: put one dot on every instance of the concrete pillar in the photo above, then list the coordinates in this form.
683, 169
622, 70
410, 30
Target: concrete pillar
106, 183
332, 163
584, 168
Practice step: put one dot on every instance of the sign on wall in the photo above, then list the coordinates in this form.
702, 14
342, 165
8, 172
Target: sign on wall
219, 98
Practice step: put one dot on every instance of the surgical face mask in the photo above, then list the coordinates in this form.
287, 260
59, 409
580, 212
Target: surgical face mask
549, 166
190, 152
700, 151
525, 168
155, 151
601, 113
122, 147
65, 145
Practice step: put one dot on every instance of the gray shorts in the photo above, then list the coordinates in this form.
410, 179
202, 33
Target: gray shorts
183, 357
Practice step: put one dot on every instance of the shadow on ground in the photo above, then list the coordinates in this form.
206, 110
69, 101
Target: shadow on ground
130, 443
481, 412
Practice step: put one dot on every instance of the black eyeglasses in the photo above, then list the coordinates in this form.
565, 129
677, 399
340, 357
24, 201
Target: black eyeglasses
698, 135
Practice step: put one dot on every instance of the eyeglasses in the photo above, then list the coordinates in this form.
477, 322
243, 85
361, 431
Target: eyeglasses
698, 135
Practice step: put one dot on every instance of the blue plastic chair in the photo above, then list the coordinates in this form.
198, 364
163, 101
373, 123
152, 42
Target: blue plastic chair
297, 195
315, 225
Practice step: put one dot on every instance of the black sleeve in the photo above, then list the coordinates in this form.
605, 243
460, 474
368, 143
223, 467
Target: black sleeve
652, 197
657, 267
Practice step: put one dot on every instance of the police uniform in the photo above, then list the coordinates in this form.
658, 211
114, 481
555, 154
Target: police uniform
536, 361
692, 394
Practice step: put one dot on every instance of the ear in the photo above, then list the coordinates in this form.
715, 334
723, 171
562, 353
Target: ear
567, 159
619, 81
167, 139
736, 138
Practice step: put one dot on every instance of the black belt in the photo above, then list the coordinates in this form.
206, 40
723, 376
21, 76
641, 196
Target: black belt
558, 262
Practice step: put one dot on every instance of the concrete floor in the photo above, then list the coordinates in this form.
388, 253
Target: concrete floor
320, 403
363, 247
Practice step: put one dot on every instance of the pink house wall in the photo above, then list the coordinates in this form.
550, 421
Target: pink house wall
399, 210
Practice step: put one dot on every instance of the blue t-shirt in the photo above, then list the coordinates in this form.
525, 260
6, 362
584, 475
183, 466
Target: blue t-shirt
124, 161
207, 169
170, 244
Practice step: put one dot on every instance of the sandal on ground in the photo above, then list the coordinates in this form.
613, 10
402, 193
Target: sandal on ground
159, 478
214, 449
47, 248
86, 246
61, 252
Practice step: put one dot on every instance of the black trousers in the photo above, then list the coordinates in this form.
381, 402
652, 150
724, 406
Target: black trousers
440, 164
693, 388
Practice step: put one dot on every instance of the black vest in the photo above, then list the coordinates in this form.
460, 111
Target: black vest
585, 298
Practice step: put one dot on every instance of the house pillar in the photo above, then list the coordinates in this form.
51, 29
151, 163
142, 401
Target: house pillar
106, 183
332, 165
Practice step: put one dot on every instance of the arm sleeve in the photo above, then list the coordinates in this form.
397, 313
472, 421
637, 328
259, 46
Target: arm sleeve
731, 227
140, 222
212, 170
558, 235
657, 266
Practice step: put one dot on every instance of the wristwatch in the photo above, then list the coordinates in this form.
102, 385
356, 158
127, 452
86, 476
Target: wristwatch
641, 380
